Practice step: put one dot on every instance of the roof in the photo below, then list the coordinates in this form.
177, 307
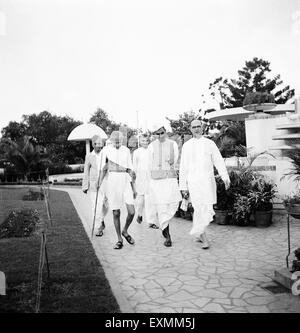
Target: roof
240, 113
86, 132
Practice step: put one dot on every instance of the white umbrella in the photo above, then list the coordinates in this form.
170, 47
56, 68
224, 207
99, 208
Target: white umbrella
85, 132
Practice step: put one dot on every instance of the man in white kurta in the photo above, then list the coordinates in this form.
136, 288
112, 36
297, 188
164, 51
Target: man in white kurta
119, 188
163, 190
199, 155
91, 181
140, 167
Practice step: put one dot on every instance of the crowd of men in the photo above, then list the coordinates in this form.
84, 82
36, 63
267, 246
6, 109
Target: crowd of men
147, 181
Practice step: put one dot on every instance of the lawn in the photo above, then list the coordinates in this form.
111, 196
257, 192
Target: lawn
77, 281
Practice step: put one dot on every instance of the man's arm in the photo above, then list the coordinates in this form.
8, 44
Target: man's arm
183, 173
219, 163
86, 175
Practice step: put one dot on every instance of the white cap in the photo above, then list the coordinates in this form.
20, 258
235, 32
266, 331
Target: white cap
156, 126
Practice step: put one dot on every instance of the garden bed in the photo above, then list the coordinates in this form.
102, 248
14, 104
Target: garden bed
77, 281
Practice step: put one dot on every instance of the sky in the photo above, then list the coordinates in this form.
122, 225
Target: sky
138, 60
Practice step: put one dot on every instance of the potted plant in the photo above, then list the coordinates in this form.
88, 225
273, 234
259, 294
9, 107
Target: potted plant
259, 101
261, 196
242, 209
222, 206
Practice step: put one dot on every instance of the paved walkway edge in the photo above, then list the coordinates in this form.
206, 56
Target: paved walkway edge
112, 280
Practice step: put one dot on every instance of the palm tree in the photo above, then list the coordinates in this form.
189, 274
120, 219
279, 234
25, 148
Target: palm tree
22, 154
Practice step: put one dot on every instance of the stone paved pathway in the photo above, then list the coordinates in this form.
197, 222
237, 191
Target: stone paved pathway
229, 277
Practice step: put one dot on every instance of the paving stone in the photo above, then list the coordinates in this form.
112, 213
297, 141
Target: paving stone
200, 302
181, 296
222, 301
184, 278
260, 300
197, 282
211, 293
238, 292
155, 293
166, 310
247, 295
140, 296
191, 310
212, 286
184, 304
239, 302
151, 285
192, 289
226, 290
213, 307
238, 310
258, 309
230, 282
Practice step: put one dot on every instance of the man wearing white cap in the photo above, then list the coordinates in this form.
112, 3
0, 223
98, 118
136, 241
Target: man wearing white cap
199, 155
163, 190
91, 181
119, 187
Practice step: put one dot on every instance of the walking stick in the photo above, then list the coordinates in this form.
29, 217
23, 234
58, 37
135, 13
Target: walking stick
98, 186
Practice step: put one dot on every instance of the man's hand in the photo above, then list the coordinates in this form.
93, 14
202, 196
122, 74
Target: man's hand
85, 191
185, 194
227, 184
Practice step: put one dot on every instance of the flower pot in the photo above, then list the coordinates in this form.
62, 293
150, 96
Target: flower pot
263, 219
293, 210
221, 216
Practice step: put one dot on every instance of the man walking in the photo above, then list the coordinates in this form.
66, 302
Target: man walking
140, 167
163, 190
91, 182
199, 155
119, 186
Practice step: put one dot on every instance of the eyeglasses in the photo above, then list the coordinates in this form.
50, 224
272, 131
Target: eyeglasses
160, 133
197, 126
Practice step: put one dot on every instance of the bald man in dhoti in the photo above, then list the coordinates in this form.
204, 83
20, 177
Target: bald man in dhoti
199, 155
119, 186
163, 190
91, 181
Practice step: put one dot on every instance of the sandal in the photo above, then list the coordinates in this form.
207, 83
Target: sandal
205, 246
129, 239
99, 233
118, 245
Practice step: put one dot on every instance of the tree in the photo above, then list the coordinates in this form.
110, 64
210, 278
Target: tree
14, 130
22, 154
101, 119
231, 140
181, 126
51, 132
253, 77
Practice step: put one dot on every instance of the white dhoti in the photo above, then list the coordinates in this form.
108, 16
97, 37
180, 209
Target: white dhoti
102, 207
203, 212
118, 190
164, 197
141, 200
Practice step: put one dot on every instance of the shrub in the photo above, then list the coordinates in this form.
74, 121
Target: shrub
258, 98
20, 223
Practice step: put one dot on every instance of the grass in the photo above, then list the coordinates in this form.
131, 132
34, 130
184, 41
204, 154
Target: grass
77, 281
